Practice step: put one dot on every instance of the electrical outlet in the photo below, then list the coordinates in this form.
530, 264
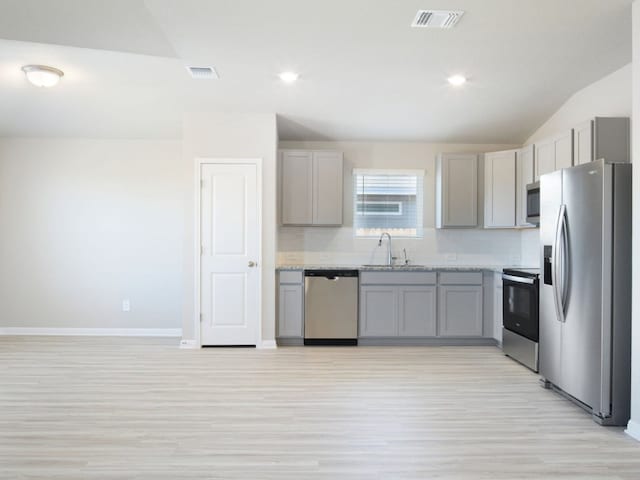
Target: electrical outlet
187, 343
452, 257
126, 305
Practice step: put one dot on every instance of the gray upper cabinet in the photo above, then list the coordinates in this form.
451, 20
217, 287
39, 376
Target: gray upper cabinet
457, 190
297, 187
554, 153
545, 157
524, 176
311, 187
602, 137
564, 150
500, 189
582, 141
327, 188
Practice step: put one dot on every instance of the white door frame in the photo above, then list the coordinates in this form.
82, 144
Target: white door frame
199, 161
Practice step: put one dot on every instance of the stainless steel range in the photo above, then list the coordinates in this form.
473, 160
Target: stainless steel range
520, 320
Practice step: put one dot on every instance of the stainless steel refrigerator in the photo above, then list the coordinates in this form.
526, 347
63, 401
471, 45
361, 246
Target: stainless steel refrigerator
585, 292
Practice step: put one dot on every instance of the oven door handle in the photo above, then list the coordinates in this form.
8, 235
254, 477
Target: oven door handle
513, 278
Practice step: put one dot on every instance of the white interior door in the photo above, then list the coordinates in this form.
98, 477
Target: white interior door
230, 247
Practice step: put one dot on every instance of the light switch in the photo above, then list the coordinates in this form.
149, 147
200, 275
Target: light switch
126, 305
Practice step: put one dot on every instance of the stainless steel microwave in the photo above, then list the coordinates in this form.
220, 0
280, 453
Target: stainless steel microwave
533, 203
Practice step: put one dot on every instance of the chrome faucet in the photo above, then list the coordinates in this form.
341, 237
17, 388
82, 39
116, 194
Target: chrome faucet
390, 257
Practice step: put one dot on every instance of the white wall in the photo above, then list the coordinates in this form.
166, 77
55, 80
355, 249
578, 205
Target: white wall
221, 135
634, 424
608, 97
321, 245
86, 224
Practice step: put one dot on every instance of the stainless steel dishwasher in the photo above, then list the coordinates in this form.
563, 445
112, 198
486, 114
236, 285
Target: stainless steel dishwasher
331, 307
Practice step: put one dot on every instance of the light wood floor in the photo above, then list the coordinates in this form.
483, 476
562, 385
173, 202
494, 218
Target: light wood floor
119, 408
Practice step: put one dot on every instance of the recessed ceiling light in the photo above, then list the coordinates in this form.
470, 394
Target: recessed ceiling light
288, 77
42, 76
457, 80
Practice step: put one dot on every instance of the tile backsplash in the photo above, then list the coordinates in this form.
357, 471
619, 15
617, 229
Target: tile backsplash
338, 246
531, 247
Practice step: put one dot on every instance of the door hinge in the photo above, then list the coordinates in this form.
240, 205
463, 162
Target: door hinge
201, 183
201, 318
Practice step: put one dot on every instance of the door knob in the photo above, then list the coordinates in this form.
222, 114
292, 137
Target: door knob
252, 264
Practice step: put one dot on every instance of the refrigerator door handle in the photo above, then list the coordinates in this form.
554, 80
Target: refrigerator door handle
556, 263
566, 262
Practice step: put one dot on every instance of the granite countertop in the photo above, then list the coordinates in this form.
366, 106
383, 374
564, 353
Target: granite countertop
397, 268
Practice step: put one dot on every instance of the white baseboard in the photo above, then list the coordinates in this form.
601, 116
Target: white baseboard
267, 344
633, 429
100, 332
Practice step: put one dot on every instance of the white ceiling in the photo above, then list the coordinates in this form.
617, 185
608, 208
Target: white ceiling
364, 73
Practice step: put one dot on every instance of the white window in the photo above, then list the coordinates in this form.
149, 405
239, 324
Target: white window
388, 201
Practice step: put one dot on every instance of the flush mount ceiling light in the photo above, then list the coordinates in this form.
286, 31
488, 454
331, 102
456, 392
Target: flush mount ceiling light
288, 77
457, 80
42, 76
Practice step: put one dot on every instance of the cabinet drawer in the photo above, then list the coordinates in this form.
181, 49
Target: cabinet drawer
460, 278
291, 276
397, 278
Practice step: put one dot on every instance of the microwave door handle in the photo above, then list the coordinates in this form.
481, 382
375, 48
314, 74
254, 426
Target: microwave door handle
554, 267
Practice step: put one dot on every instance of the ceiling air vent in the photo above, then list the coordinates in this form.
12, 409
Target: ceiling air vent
203, 73
436, 18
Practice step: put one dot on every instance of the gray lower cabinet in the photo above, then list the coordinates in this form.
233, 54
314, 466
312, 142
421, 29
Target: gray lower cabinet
398, 311
460, 311
401, 305
291, 305
417, 311
291, 311
378, 311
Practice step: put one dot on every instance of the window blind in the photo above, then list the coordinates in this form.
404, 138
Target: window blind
388, 201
